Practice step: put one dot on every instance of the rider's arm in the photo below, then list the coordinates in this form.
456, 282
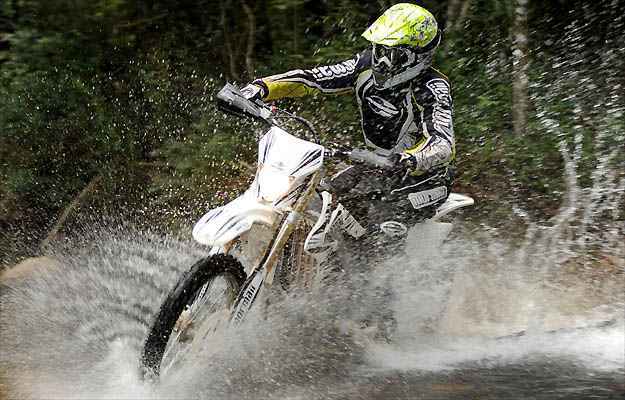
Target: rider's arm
337, 79
437, 148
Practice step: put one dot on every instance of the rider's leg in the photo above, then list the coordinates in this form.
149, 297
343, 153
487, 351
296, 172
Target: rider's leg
389, 214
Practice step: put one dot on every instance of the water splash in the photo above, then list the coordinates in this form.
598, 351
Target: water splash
75, 330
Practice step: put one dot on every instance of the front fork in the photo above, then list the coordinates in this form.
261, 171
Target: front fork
266, 269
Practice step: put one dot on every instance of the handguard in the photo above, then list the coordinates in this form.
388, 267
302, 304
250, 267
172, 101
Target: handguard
232, 101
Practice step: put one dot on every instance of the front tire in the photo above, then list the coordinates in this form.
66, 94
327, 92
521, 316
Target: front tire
216, 279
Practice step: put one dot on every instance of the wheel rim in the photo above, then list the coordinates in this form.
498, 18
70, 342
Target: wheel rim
206, 314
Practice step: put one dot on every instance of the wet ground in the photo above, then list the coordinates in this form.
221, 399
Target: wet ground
522, 381
535, 380
530, 380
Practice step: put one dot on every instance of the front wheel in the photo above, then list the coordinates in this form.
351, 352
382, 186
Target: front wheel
196, 307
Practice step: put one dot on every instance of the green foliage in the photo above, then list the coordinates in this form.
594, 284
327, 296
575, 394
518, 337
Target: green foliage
99, 87
45, 116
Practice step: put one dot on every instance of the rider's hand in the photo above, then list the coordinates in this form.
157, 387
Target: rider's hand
252, 92
405, 164
404, 160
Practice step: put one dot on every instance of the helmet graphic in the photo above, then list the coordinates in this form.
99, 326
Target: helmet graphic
404, 40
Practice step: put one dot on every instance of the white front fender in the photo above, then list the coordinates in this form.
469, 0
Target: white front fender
221, 225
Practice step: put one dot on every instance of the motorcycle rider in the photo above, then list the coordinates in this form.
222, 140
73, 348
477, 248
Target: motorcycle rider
406, 113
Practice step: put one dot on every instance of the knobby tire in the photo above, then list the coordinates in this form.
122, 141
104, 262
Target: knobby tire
185, 290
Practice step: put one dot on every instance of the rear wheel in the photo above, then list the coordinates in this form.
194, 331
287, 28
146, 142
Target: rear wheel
197, 307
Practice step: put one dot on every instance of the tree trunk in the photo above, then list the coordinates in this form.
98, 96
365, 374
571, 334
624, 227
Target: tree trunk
71, 207
520, 63
457, 11
251, 40
295, 28
452, 8
464, 11
229, 51
264, 42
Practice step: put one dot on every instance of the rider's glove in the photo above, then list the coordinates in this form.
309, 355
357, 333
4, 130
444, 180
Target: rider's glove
406, 164
252, 92
404, 160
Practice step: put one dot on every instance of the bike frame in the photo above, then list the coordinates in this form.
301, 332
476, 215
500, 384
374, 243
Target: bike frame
265, 271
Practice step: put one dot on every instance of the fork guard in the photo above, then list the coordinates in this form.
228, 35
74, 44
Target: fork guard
223, 224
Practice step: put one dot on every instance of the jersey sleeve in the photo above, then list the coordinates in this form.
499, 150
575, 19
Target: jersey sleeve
333, 79
438, 145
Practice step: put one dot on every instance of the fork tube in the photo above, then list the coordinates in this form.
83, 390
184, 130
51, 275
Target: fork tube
287, 228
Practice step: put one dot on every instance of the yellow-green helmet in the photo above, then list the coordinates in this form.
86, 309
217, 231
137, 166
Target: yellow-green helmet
404, 39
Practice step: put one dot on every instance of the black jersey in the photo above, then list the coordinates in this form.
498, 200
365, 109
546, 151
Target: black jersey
414, 117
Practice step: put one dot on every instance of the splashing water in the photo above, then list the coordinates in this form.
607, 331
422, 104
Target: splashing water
75, 330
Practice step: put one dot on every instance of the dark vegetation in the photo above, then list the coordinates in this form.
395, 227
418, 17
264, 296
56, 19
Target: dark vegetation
117, 97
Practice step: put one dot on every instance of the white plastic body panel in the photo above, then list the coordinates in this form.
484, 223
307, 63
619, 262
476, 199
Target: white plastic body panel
454, 202
221, 225
284, 162
431, 233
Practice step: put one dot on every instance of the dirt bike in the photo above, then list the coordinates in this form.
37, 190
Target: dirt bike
271, 230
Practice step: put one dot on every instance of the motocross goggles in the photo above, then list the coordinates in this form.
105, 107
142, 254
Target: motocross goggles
389, 59
392, 65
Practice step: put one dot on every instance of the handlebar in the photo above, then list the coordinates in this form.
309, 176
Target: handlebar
231, 100
363, 156
371, 158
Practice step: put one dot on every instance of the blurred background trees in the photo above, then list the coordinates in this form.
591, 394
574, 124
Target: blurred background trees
124, 90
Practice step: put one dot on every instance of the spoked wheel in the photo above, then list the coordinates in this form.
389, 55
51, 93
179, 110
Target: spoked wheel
196, 308
296, 268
